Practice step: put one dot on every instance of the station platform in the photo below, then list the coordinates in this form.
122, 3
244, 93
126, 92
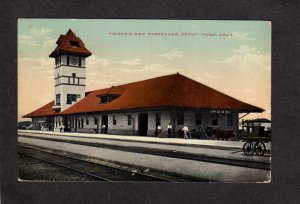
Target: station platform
173, 141
198, 169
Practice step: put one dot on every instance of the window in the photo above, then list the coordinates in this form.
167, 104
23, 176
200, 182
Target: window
74, 44
74, 60
95, 121
214, 120
79, 61
57, 60
68, 60
180, 118
198, 119
57, 99
73, 76
87, 121
230, 120
81, 122
57, 79
114, 120
158, 119
72, 98
129, 119
69, 80
104, 99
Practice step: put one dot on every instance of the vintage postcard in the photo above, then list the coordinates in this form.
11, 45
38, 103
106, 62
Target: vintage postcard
144, 100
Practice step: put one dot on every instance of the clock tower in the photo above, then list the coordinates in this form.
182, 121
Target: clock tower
70, 55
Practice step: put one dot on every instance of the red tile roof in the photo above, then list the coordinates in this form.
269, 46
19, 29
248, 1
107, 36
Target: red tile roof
45, 110
173, 90
64, 46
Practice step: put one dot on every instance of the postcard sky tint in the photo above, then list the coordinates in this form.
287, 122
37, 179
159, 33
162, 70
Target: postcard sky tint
233, 57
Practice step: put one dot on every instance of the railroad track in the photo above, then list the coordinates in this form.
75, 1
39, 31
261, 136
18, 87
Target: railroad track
168, 153
88, 169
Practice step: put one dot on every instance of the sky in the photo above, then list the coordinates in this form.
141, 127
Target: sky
233, 57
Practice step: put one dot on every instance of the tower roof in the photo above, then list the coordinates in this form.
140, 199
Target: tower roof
70, 44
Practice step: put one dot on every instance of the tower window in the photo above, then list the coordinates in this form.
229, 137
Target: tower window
72, 98
74, 60
57, 99
57, 60
214, 120
73, 76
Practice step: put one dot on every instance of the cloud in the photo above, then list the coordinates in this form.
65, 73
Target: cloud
150, 68
42, 64
154, 67
247, 59
95, 61
211, 76
30, 39
173, 54
240, 36
49, 42
45, 66
244, 49
25, 37
131, 62
27, 40
40, 31
248, 91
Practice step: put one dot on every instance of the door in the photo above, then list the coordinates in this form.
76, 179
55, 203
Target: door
143, 124
97, 123
75, 127
104, 122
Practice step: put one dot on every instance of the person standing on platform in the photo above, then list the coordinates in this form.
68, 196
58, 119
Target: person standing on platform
159, 131
104, 129
185, 129
62, 128
169, 130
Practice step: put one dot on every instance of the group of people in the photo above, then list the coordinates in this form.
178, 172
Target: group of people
185, 130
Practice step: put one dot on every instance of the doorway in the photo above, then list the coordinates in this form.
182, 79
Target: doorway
104, 122
143, 124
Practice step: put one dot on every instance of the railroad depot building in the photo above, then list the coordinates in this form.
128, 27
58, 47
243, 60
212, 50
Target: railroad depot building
135, 108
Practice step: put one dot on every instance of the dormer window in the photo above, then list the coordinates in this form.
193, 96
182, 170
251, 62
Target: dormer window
106, 98
74, 44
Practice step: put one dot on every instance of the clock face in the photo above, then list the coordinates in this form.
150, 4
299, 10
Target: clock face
73, 60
